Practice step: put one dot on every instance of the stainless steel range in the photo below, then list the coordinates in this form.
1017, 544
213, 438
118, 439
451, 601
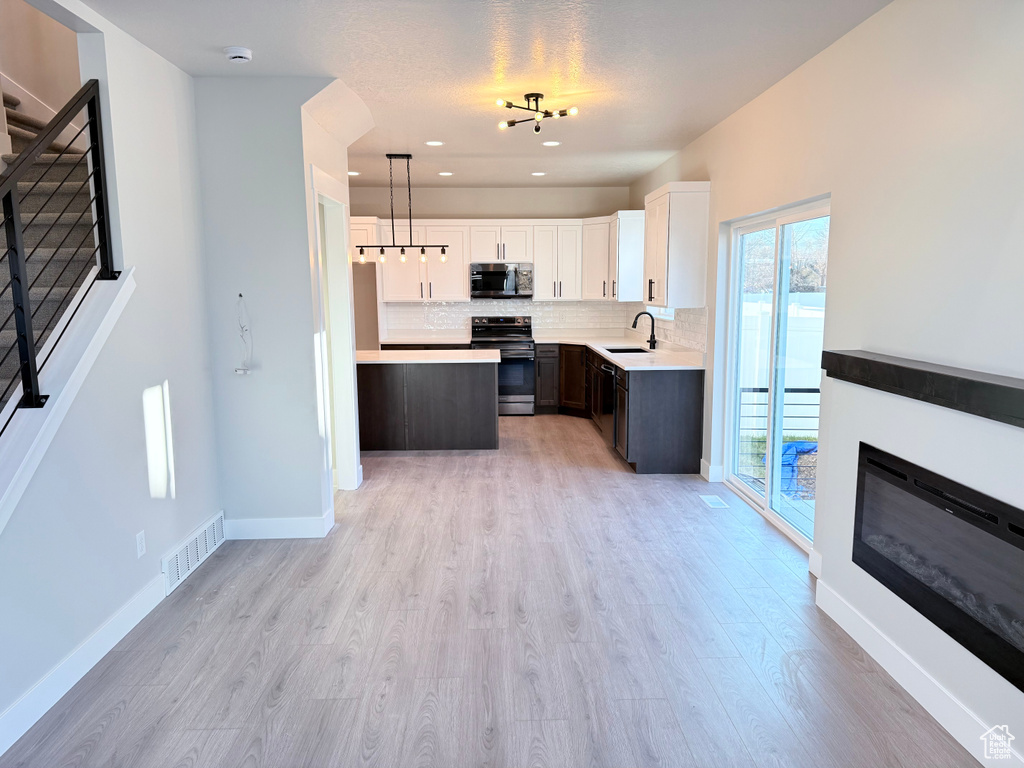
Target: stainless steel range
513, 337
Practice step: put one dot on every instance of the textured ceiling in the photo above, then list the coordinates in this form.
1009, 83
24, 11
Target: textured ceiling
647, 75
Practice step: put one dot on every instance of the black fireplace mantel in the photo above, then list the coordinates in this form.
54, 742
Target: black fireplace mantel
1000, 398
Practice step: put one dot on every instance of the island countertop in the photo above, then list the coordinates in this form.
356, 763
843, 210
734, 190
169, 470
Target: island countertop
415, 356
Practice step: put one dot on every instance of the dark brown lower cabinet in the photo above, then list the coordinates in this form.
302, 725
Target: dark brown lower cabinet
659, 420
547, 378
427, 406
572, 390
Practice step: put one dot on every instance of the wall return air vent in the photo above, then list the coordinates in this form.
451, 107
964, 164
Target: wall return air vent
195, 549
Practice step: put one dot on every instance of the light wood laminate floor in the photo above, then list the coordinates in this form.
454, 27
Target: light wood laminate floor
536, 606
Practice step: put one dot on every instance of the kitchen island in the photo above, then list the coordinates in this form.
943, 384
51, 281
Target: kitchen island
432, 399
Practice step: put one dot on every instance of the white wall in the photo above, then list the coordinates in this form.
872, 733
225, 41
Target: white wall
492, 202
67, 556
912, 123
257, 235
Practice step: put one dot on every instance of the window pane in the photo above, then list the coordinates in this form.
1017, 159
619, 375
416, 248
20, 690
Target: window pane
756, 265
800, 317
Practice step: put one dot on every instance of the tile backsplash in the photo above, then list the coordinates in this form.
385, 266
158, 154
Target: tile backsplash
688, 329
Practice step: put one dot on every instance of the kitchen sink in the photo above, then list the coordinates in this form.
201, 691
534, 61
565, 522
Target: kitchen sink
625, 350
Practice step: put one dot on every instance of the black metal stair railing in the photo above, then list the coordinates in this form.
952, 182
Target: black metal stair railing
55, 229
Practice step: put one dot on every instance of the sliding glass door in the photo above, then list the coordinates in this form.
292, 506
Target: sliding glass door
779, 277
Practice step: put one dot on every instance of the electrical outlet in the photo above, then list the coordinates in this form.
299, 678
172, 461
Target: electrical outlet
140, 543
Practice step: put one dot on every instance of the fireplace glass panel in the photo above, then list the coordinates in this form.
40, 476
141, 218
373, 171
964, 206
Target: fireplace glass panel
952, 553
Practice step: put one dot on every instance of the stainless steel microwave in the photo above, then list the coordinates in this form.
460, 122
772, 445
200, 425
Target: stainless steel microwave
501, 281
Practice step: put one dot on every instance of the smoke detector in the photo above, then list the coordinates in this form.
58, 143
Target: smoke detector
237, 53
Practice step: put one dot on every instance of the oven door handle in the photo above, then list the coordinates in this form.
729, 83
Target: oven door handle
517, 355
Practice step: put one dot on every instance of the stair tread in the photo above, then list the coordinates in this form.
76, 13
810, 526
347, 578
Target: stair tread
10, 100
17, 132
26, 121
68, 158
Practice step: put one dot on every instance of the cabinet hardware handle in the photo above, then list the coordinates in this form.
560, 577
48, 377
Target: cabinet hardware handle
650, 289
503, 256
613, 289
431, 287
554, 288
497, 251
604, 287
421, 290
559, 289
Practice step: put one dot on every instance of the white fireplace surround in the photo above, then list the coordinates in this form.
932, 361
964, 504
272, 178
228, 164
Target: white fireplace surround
961, 692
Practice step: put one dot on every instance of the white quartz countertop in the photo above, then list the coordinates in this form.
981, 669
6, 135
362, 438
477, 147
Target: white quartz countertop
674, 359
664, 358
428, 356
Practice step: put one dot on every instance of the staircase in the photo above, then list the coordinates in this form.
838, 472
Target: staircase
58, 227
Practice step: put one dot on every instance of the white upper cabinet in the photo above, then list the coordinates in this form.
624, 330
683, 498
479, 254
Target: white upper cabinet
447, 276
496, 242
570, 261
676, 244
596, 283
517, 243
403, 280
484, 243
545, 262
626, 256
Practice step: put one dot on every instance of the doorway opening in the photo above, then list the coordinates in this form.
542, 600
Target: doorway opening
779, 273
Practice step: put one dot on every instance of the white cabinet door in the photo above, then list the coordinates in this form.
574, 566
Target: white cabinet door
595, 281
628, 248
613, 260
545, 262
403, 280
570, 256
517, 244
447, 280
655, 251
484, 243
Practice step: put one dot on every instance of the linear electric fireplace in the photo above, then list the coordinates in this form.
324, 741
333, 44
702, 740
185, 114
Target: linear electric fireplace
953, 554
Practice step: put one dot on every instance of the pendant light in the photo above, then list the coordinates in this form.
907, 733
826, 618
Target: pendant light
394, 241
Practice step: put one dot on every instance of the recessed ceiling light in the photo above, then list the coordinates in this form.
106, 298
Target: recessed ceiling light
538, 173
434, 143
552, 143
353, 173
445, 173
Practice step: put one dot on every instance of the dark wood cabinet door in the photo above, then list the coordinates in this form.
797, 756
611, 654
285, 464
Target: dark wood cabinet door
452, 406
622, 421
595, 396
381, 407
572, 389
547, 381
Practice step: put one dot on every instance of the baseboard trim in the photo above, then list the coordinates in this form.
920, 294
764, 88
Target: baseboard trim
27, 710
712, 474
280, 527
961, 723
814, 563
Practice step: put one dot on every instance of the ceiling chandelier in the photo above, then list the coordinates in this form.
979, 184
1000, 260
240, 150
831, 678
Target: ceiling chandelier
533, 101
394, 242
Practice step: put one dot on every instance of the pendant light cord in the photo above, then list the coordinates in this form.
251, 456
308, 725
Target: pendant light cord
391, 184
408, 181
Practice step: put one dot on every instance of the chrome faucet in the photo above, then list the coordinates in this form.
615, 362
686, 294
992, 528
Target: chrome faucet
651, 341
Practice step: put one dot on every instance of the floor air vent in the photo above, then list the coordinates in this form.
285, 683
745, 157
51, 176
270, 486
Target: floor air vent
190, 554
